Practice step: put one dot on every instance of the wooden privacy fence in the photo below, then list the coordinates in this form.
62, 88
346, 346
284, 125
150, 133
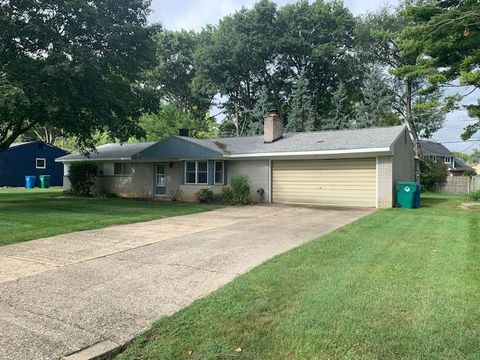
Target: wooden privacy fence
461, 185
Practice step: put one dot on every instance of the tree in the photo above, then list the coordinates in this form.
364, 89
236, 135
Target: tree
448, 34
302, 115
170, 118
376, 108
340, 117
473, 158
237, 57
433, 174
73, 65
270, 47
174, 72
383, 42
261, 108
319, 41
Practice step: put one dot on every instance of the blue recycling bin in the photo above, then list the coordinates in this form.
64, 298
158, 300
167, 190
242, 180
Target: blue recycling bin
416, 201
30, 182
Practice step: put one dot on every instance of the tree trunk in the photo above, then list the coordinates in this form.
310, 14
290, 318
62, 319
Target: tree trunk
237, 118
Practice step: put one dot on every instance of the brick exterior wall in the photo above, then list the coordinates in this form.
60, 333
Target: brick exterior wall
138, 184
258, 172
384, 182
189, 191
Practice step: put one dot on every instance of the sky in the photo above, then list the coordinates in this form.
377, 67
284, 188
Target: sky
194, 14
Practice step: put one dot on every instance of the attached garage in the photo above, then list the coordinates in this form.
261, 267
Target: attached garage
339, 182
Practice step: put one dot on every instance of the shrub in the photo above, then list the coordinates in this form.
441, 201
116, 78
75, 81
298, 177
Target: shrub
82, 178
175, 195
227, 196
433, 175
470, 173
240, 185
205, 195
69, 192
475, 196
105, 195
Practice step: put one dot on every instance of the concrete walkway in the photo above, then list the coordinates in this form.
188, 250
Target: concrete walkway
79, 294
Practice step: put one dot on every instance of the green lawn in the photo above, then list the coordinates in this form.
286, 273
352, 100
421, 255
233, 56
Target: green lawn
32, 214
401, 284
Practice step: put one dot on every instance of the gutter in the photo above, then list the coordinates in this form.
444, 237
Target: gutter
87, 159
291, 154
370, 151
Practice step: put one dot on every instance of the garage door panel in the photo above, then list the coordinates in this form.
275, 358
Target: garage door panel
346, 164
346, 182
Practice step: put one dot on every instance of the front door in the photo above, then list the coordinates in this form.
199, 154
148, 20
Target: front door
160, 179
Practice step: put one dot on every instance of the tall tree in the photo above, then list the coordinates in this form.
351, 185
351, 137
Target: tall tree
421, 107
236, 57
72, 65
319, 41
302, 115
376, 108
340, 116
261, 108
174, 72
448, 33
266, 46
170, 118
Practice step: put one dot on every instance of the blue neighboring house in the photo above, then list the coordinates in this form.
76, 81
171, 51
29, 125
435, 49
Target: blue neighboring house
32, 158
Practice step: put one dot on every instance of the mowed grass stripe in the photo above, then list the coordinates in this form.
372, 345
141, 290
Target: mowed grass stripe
27, 215
399, 284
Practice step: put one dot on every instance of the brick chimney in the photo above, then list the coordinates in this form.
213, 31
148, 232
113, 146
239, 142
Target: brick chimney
272, 127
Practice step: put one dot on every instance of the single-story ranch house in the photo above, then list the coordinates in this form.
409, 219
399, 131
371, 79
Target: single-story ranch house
339, 168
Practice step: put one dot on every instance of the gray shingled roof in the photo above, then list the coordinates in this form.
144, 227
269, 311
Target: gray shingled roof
307, 141
432, 148
126, 151
372, 138
461, 166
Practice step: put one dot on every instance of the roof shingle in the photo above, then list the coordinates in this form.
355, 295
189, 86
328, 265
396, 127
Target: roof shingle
357, 139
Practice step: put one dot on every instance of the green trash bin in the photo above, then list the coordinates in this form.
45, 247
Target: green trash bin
44, 181
406, 194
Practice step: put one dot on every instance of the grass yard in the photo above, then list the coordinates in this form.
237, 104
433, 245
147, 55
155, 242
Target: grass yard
32, 214
401, 284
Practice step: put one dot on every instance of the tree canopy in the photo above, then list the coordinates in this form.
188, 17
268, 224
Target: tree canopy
73, 65
447, 33
88, 72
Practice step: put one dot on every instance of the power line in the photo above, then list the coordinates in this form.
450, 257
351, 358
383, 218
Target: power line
457, 141
469, 146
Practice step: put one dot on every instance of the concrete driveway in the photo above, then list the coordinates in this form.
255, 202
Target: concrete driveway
80, 294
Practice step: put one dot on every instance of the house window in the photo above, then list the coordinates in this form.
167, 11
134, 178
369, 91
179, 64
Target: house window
196, 172
448, 160
190, 172
40, 163
202, 172
219, 173
121, 169
100, 169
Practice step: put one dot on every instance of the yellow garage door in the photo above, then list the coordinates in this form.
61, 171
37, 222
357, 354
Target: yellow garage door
342, 182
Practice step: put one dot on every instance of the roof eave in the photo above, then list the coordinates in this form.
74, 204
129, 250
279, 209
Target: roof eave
371, 152
62, 160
